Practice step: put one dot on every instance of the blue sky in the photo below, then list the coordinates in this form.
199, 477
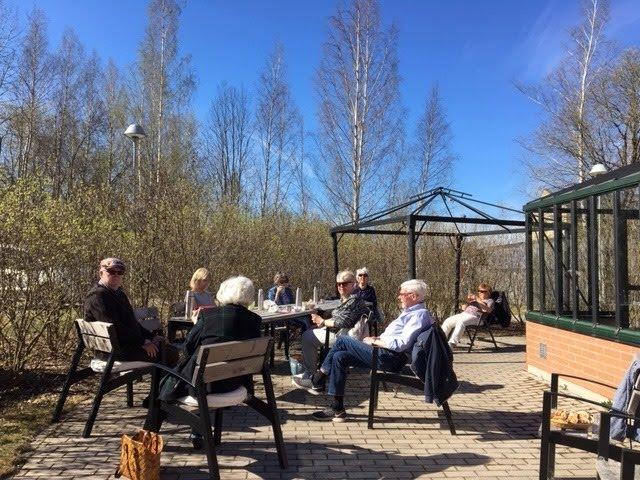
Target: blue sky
475, 51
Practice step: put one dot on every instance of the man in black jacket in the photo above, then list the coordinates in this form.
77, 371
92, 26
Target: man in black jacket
107, 302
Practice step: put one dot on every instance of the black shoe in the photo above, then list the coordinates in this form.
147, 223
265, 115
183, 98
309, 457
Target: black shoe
197, 441
308, 385
330, 415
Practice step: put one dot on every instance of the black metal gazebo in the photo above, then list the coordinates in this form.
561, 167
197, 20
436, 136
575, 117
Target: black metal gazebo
408, 219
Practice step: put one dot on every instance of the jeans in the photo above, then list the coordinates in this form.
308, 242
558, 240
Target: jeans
348, 352
312, 340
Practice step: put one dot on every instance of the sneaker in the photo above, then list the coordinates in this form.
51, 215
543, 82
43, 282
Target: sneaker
307, 384
330, 415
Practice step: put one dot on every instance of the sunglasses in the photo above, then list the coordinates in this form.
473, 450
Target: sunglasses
112, 271
363, 274
342, 284
483, 291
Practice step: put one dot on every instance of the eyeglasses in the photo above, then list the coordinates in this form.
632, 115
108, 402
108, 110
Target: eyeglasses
404, 294
363, 274
111, 271
343, 284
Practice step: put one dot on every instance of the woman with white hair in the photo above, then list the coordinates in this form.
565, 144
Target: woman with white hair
230, 321
364, 289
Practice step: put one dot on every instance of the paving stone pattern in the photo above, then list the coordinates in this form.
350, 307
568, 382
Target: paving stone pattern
496, 412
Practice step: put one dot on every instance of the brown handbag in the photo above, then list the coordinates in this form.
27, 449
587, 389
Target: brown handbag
140, 456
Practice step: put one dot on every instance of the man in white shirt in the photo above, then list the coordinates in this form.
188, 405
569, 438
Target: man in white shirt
397, 339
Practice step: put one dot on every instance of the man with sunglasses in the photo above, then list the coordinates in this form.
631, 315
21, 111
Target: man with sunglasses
344, 318
107, 302
471, 313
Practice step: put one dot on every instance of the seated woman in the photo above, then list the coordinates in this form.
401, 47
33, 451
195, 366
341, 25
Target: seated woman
470, 315
282, 294
230, 321
200, 281
364, 290
344, 317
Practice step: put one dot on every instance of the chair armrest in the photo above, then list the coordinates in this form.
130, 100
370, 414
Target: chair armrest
556, 376
173, 373
575, 397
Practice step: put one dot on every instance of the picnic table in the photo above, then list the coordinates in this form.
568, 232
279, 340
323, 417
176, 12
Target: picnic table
284, 313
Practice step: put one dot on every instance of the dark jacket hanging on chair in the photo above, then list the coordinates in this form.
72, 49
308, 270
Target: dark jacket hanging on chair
432, 362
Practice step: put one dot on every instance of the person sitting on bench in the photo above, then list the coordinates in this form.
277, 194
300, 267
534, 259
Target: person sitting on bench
397, 339
470, 315
107, 302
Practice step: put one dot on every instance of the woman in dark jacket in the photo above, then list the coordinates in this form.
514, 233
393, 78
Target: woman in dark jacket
230, 321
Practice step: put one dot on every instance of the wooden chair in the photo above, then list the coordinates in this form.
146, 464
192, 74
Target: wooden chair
405, 377
614, 461
100, 337
219, 362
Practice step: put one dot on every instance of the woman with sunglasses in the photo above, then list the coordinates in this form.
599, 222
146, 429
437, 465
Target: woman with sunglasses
364, 290
344, 318
470, 315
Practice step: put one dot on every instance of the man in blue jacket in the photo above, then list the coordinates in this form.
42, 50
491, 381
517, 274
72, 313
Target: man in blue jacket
397, 339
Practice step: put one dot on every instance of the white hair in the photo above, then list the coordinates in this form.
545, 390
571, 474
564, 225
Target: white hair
238, 290
416, 286
346, 276
362, 271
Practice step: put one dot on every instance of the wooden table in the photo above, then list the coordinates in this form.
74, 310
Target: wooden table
269, 320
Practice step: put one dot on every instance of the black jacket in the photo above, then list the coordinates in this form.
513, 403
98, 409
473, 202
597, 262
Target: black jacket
432, 362
105, 305
216, 325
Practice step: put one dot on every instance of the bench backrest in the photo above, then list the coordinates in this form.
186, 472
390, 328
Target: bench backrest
231, 359
98, 336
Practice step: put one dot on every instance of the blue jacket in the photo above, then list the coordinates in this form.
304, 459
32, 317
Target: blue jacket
432, 362
619, 430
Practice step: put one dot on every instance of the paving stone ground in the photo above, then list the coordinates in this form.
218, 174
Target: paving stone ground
496, 413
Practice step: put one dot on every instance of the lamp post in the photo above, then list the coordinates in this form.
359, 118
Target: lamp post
135, 132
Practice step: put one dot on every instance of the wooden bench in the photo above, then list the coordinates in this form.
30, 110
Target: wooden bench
613, 461
214, 363
100, 337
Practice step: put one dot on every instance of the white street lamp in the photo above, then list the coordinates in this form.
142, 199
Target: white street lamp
135, 132
597, 169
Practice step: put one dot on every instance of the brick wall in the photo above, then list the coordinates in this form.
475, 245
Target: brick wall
577, 354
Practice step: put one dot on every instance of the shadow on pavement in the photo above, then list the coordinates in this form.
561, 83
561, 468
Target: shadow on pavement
316, 460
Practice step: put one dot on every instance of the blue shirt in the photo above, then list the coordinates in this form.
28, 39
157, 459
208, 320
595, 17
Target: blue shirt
286, 296
401, 334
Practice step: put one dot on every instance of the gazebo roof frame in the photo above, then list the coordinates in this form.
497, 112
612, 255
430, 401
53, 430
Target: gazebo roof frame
408, 223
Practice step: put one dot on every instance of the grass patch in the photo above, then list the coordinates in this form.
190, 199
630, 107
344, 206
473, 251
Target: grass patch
20, 422
27, 401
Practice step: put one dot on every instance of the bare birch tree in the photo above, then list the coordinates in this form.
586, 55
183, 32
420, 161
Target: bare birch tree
167, 85
433, 143
29, 95
561, 149
226, 144
359, 116
276, 132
